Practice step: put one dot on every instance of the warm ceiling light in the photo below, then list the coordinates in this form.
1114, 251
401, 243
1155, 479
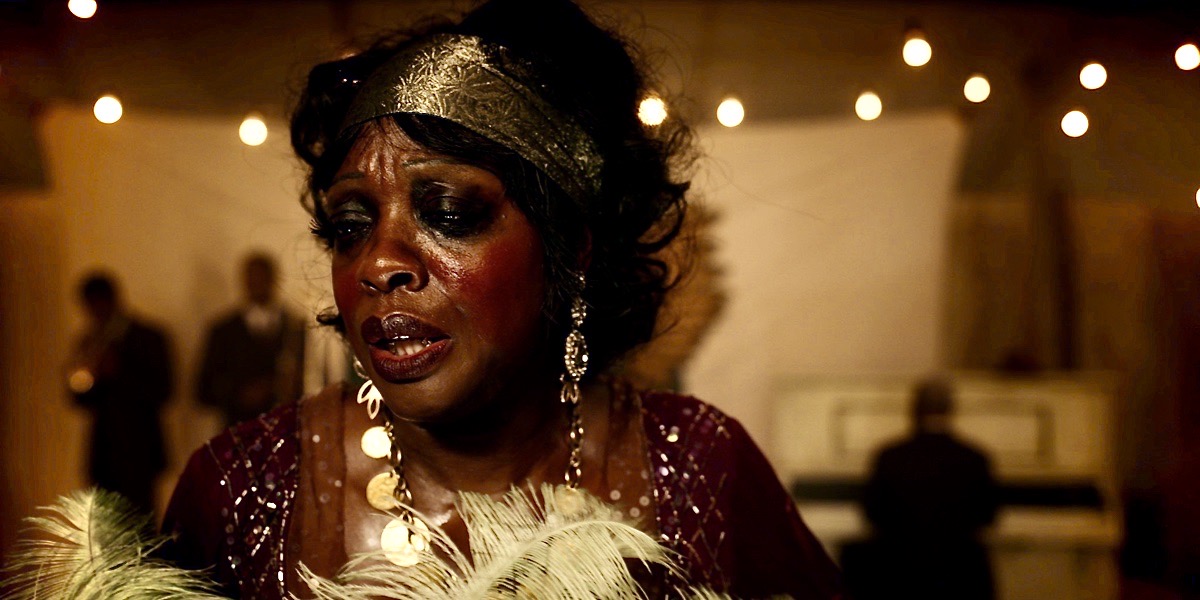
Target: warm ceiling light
253, 131
84, 9
1075, 123
977, 89
108, 109
1198, 197
917, 50
1187, 57
652, 111
868, 107
1093, 76
731, 112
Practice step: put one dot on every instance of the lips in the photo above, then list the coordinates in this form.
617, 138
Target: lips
404, 348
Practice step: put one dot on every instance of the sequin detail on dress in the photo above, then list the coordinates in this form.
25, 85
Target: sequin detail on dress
258, 464
716, 502
688, 444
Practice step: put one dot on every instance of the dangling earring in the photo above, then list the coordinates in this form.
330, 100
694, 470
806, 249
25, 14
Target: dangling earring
575, 359
368, 393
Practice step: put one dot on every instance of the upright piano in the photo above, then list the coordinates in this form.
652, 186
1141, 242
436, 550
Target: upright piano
1050, 440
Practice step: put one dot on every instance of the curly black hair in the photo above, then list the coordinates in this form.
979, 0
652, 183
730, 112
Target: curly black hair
588, 73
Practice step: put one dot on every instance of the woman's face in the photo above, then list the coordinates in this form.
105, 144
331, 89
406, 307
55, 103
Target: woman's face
437, 274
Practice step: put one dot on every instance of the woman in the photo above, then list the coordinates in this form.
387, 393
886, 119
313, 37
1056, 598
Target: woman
493, 210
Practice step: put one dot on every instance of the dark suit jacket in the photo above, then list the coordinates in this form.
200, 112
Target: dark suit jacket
236, 359
127, 450
927, 499
931, 485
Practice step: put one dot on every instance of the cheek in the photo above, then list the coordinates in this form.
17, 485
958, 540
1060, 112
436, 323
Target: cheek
502, 288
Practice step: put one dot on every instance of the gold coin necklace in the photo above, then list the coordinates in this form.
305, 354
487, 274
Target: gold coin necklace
406, 537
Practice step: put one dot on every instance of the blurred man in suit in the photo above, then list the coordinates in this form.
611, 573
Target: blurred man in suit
254, 354
928, 499
121, 373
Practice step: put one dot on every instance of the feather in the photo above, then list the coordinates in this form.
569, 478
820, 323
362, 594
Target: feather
553, 543
94, 545
560, 544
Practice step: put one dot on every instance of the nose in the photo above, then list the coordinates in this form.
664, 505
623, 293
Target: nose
392, 266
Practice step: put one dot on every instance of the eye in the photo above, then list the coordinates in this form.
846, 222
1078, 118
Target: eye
455, 217
347, 224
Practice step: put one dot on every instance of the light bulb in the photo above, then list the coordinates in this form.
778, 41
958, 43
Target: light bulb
652, 111
84, 9
977, 89
1093, 76
731, 112
1075, 123
253, 131
1187, 57
868, 107
917, 51
108, 109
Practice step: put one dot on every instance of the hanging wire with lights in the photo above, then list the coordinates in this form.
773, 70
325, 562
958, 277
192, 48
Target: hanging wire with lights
652, 110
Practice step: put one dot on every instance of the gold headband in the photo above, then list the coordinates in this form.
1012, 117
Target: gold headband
484, 88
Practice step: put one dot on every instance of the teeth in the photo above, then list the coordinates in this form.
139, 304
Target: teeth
407, 347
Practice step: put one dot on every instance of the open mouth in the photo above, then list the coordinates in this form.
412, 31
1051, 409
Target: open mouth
403, 347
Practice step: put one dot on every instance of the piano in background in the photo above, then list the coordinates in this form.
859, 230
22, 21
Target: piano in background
1050, 439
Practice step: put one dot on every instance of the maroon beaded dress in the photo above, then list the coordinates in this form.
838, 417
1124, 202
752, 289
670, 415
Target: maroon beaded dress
250, 504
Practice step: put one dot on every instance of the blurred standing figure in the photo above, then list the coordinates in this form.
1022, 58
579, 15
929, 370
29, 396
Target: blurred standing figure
928, 499
254, 355
121, 373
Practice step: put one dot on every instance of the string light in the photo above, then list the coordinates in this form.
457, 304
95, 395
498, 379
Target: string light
652, 111
84, 9
917, 50
868, 107
977, 89
1198, 197
253, 130
1075, 123
1093, 76
731, 112
1187, 57
108, 109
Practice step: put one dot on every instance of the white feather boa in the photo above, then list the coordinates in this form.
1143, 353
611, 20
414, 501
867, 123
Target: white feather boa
549, 543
